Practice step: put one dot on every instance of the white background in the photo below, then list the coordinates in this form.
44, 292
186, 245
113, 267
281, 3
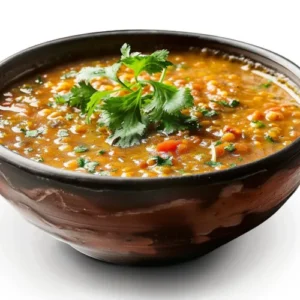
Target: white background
263, 264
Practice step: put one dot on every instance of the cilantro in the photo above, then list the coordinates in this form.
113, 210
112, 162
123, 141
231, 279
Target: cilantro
208, 113
230, 147
90, 166
50, 104
217, 143
68, 75
81, 149
123, 116
31, 133
153, 63
232, 104
265, 85
233, 165
258, 124
38, 159
128, 117
27, 150
39, 80
101, 152
213, 163
161, 161
69, 117
269, 138
240, 159
63, 133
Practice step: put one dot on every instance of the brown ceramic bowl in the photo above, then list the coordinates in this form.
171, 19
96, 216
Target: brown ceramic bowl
137, 220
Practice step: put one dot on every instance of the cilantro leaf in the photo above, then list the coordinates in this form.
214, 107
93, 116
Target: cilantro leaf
123, 116
232, 104
163, 161
153, 63
265, 85
258, 124
269, 139
166, 105
81, 149
230, 147
94, 101
79, 96
209, 113
88, 73
90, 166
68, 75
213, 163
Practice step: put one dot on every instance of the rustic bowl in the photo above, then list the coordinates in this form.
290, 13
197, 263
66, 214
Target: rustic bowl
137, 220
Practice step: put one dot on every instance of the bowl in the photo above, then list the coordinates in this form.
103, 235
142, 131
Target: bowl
139, 220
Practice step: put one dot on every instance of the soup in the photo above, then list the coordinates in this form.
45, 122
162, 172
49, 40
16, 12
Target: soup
145, 117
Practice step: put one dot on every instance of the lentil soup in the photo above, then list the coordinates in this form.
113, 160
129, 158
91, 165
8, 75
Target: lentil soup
242, 114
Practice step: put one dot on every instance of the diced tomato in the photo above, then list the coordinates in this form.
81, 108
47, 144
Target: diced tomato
168, 146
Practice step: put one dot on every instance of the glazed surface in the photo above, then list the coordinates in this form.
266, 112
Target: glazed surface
265, 120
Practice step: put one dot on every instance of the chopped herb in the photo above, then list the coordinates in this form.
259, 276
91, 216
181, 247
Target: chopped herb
258, 124
39, 80
240, 159
81, 149
31, 133
63, 133
213, 163
232, 165
81, 162
161, 161
28, 149
233, 103
230, 147
68, 75
103, 173
269, 138
114, 170
69, 117
208, 112
181, 171
101, 152
50, 104
128, 117
265, 85
38, 159
217, 143
90, 166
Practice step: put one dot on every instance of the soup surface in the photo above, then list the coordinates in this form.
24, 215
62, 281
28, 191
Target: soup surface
243, 114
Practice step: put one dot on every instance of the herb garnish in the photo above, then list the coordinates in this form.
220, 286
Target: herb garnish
230, 147
258, 124
232, 103
129, 116
39, 80
265, 85
90, 166
269, 138
213, 163
163, 161
217, 143
63, 133
208, 112
101, 152
81, 149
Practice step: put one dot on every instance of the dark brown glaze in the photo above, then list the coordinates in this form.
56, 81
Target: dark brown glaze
146, 221
106, 225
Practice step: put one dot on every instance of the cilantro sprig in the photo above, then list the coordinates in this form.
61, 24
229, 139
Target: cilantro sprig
130, 115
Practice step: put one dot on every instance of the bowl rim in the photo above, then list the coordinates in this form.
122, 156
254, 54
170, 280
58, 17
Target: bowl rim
242, 171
